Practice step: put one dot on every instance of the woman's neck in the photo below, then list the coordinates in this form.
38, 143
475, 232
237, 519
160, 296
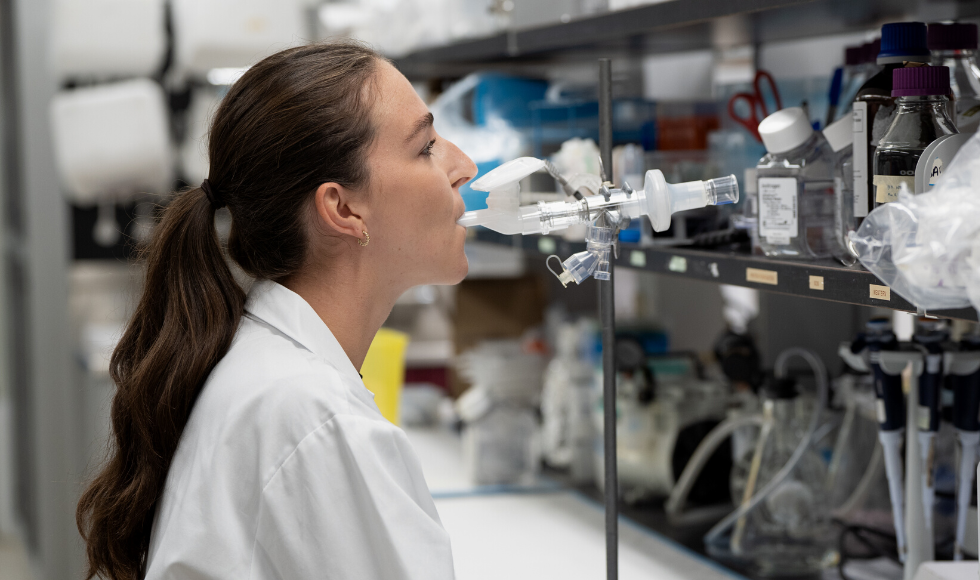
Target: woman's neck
350, 299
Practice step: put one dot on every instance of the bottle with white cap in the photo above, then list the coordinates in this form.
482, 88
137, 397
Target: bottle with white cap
840, 137
795, 188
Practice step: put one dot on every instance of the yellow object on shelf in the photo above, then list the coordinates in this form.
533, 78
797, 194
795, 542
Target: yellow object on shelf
384, 370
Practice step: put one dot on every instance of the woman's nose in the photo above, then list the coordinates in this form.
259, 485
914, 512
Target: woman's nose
463, 169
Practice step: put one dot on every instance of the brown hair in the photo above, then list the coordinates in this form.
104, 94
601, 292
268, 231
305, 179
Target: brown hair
295, 120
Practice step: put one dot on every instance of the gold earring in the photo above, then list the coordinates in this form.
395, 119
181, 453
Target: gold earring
367, 240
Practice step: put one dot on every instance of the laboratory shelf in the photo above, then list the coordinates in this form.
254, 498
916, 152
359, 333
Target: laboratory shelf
822, 279
674, 26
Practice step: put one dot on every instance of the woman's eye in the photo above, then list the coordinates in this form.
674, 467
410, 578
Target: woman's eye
427, 150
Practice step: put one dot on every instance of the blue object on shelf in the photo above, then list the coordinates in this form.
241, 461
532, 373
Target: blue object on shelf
506, 97
634, 121
631, 234
475, 200
835, 84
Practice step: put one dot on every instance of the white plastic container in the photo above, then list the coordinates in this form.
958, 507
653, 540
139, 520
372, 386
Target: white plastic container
194, 150
107, 38
211, 34
112, 141
795, 188
501, 447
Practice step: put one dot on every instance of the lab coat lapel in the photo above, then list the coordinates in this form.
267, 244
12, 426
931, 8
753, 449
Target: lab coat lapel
289, 313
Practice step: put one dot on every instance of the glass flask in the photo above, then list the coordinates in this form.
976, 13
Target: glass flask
954, 46
790, 534
921, 117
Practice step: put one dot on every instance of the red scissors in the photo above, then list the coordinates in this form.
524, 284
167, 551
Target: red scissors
756, 103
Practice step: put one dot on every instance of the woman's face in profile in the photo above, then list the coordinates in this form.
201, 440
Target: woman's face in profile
414, 188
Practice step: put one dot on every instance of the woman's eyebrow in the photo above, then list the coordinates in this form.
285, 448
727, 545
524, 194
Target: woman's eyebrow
421, 125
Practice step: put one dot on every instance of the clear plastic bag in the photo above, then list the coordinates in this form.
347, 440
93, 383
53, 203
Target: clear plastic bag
927, 247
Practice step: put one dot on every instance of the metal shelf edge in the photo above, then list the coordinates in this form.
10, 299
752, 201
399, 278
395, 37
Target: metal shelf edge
822, 280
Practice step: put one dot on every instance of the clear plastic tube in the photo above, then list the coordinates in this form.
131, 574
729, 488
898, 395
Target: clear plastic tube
721, 190
545, 217
658, 200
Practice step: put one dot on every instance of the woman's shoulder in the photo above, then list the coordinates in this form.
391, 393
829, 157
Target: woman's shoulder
267, 377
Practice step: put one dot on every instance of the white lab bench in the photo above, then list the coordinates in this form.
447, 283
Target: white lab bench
544, 531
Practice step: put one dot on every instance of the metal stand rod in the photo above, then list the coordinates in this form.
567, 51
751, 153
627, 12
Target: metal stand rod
608, 320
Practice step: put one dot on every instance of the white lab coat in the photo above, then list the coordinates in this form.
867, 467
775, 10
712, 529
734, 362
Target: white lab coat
286, 469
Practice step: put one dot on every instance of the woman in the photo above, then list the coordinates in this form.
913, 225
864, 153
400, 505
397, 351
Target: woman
244, 443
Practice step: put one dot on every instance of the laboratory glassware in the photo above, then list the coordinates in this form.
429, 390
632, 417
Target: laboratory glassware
840, 135
921, 117
902, 44
955, 46
782, 526
795, 188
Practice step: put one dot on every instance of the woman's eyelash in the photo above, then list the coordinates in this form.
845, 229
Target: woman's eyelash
427, 150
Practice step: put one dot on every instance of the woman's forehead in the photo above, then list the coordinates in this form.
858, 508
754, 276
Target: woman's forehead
397, 106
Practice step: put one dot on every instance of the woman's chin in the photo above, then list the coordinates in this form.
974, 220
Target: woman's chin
461, 271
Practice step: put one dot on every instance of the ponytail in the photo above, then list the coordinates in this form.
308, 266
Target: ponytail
183, 325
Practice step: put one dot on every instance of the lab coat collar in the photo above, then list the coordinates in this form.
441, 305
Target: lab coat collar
289, 313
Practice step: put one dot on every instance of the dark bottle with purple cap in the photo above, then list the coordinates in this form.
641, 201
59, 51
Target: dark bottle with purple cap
921, 117
903, 44
955, 46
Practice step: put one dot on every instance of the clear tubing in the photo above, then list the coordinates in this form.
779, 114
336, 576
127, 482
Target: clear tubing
860, 493
842, 437
820, 371
547, 216
544, 217
704, 451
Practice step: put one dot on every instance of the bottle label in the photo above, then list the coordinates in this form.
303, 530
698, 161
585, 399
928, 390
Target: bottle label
778, 211
888, 186
935, 172
860, 149
967, 121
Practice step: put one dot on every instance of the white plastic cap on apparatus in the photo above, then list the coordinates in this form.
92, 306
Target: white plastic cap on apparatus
785, 130
840, 133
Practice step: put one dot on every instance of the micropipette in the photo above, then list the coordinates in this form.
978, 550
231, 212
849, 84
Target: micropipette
929, 337
963, 368
891, 416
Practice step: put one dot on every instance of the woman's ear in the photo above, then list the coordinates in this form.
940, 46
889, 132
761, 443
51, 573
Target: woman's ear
334, 212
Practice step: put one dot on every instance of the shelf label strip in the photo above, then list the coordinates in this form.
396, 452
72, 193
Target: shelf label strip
677, 264
638, 259
546, 245
762, 276
880, 292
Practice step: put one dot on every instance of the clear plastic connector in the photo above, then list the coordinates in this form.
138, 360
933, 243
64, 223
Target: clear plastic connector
721, 190
658, 200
